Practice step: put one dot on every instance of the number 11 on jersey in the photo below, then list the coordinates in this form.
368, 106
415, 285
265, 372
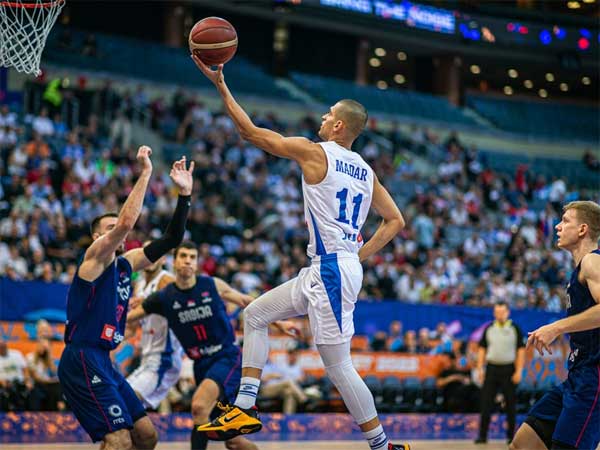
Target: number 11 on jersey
200, 332
342, 196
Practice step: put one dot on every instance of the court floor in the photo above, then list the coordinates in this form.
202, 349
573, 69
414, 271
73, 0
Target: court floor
288, 445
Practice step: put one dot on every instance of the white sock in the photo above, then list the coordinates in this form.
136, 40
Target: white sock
376, 438
246, 397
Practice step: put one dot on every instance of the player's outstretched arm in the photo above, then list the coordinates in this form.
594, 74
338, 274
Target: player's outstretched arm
229, 294
391, 225
100, 253
297, 148
587, 320
236, 297
140, 258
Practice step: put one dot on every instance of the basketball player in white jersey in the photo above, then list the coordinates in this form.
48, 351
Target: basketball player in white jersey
161, 352
339, 188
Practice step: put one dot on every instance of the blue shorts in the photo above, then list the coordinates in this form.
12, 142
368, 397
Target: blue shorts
224, 368
574, 407
99, 396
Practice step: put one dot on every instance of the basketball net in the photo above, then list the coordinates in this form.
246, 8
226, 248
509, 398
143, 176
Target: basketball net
24, 27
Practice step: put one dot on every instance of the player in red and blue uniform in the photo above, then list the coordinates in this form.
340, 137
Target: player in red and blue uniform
568, 416
97, 302
194, 308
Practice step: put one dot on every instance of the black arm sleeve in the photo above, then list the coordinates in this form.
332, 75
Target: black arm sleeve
153, 304
173, 234
483, 341
520, 343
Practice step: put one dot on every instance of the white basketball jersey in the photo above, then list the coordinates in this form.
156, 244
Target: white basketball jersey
336, 208
156, 336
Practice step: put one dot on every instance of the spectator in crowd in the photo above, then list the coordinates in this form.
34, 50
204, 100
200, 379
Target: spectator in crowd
379, 341
502, 348
460, 394
43, 330
43, 371
395, 337
410, 342
282, 379
16, 383
423, 342
42, 124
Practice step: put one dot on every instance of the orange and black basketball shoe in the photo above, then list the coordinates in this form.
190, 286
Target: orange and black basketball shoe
234, 421
398, 446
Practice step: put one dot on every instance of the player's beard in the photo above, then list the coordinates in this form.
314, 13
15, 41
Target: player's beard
187, 272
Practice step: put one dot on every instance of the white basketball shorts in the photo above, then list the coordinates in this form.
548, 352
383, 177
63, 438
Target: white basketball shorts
327, 292
152, 380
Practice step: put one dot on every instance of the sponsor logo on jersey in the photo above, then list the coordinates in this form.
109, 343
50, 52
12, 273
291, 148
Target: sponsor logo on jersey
206, 298
191, 302
96, 379
124, 287
115, 411
574, 354
108, 332
118, 338
120, 311
197, 352
176, 305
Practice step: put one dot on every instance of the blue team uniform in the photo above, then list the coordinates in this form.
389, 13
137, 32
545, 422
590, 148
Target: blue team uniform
574, 405
198, 318
99, 396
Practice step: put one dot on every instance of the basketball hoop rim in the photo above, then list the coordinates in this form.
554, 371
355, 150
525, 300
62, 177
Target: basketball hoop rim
28, 5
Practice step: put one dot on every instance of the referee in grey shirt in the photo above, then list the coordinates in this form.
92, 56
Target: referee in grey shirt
502, 347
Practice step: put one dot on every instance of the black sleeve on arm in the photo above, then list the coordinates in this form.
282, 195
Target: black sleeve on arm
520, 343
483, 341
173, 235
153, 304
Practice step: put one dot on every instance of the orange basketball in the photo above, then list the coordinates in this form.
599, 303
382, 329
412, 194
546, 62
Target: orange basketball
213, 40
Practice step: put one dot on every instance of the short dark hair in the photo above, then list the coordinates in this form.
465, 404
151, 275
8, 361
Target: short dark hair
354, 115
96, 222
502, 303
185, 244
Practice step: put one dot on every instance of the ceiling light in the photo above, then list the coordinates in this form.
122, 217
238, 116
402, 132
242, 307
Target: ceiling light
475, 69
550, 77
380, 51
573, 5
586, 81
399, 78
401, 56
508, 90
374, 62
564, 87
382, 84
513, 73
528, 84
543, 93
589, 1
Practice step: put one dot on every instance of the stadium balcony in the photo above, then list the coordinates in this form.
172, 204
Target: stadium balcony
574, 171
404, 103
539, 119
